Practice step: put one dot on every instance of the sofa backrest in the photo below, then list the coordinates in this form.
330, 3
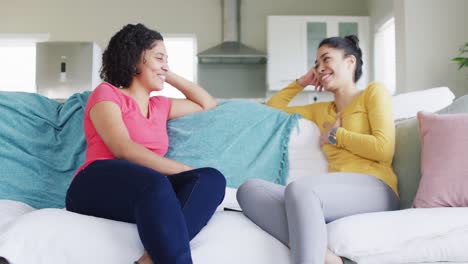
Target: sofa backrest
407, 158
407, 105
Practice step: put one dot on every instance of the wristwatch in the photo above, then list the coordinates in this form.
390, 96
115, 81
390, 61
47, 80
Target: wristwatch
332, 136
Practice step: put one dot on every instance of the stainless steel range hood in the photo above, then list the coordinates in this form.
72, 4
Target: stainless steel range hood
231, 50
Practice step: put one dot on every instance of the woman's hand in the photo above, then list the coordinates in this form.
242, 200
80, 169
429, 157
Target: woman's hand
311, 78
186, 168
328, 127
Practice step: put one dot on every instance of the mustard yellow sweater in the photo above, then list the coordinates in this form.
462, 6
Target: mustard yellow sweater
366, 138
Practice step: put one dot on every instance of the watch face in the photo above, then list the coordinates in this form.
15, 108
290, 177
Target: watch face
332, 140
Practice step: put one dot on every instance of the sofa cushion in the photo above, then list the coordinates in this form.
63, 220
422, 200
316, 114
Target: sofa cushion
405, 236
406, 161
407, 158
10, 211
444, 180
56, 236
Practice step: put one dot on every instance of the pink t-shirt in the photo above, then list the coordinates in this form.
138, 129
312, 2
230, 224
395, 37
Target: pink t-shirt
150, 132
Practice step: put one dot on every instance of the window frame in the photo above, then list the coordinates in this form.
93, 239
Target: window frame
381, 63
168, 90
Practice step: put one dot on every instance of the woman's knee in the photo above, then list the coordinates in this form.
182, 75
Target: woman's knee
294, 189
297, 192
214, 179
245, 191
246, 188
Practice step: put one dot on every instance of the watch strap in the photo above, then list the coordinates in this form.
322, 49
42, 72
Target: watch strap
332, 136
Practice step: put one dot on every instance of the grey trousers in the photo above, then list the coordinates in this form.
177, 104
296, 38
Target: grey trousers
297, 214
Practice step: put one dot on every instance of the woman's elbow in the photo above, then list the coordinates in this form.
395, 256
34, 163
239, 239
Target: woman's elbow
120, 150
384, 153
209, 105
119, 154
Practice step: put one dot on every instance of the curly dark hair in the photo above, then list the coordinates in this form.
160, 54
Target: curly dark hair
123, 53
350, 46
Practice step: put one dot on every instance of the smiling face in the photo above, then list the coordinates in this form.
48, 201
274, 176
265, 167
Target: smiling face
153, 67
334, 68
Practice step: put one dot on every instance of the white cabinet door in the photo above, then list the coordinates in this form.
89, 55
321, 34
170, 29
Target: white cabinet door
293, 40
285, 44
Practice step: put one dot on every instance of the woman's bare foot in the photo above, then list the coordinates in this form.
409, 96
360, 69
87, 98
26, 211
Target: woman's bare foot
331, 258
145, 259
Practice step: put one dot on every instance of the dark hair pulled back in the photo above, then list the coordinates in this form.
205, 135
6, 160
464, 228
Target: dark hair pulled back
350, 46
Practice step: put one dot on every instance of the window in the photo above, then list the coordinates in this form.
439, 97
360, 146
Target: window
384, 55
181, 51
18, 61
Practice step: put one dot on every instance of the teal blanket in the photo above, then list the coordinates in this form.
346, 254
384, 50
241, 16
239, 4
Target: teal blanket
240, 138
41, 145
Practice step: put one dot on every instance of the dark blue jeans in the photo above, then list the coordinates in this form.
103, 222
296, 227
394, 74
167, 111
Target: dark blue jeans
168, 210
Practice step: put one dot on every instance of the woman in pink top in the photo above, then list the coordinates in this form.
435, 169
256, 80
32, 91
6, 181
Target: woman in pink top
125, 176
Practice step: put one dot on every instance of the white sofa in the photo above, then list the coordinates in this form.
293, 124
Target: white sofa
56, 236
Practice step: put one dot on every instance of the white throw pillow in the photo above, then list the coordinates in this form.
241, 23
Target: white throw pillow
404, 236
407, 105
305, 155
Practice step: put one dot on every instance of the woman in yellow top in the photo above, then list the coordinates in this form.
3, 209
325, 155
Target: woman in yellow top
358, 139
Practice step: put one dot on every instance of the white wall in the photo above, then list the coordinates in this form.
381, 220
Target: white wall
428, 31
89, 20
380, 11
428, 35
